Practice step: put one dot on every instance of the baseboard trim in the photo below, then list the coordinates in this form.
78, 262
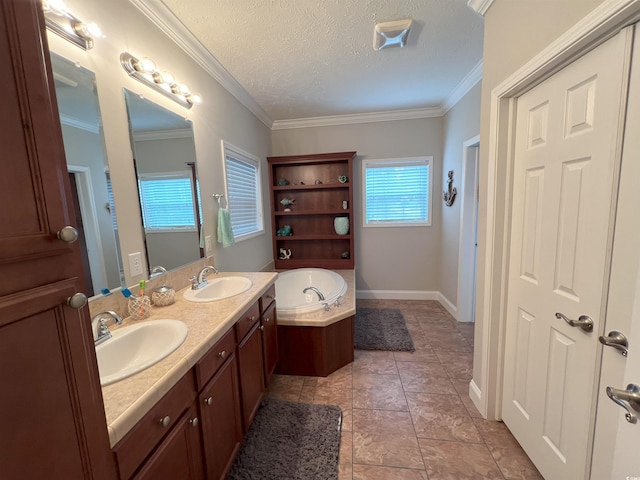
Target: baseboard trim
476, 397
397, 295
450, 307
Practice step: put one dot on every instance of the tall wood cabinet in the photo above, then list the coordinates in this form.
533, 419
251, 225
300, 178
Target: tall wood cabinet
52, 421
321, 189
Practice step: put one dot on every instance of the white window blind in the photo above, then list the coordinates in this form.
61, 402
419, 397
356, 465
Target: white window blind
242, 172
112, 204
396, 192
167, 202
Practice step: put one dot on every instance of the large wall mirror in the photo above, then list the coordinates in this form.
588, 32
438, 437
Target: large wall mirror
165, 163
88, 174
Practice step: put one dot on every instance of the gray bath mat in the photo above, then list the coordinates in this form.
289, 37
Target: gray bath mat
382, 329
290, 441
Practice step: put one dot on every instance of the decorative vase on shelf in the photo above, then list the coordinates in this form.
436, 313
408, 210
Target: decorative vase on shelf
341, 225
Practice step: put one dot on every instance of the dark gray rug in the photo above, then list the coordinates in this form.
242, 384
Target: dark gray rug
382, 329
290, 441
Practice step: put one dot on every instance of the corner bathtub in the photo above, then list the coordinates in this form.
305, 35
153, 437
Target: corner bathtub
312, 341
290, 285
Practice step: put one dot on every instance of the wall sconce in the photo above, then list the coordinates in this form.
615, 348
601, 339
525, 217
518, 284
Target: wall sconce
60, 21
145, 71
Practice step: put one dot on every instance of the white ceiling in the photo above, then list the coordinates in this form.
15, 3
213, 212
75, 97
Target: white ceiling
301, 59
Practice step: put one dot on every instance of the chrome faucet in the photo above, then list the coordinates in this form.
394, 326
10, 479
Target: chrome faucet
99, 326
318, 292
200, 280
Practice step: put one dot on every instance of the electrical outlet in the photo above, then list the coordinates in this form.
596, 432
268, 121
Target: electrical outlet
207, 244
135, 264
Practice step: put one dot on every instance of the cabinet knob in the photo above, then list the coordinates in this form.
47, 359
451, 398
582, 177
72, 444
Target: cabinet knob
253, 317
208, 401
77, 301
261, 327
267, 319
194, 422
165, 421
68, 234
223, 354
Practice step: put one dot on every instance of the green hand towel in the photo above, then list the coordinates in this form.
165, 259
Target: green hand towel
225, 232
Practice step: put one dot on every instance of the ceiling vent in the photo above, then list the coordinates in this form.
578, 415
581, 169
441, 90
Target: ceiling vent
391, 34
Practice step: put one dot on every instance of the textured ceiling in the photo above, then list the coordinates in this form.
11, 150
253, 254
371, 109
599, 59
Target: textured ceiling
315, 58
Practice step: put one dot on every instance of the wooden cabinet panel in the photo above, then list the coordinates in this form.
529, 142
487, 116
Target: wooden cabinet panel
312, 182
251, 367
248, 320
268, 298
269, 341
179, 456
209, 364
143, 438
221, 419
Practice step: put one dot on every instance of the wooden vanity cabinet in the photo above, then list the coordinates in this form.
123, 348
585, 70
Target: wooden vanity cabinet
219, 406
165, 428
179, 455
251, 367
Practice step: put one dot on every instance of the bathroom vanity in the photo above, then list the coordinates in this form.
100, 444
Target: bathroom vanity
185, 417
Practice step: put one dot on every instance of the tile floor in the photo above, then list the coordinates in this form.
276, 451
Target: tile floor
408, 416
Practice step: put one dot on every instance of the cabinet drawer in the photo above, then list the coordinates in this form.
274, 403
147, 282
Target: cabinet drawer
131, 451
247, 321
214, 358
267, 298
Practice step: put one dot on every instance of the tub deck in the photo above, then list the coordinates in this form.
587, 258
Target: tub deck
318, 343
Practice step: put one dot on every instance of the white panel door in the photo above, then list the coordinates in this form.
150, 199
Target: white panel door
615, 452
565, 160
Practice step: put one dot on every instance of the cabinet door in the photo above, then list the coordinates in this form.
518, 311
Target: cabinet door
221, 419
269, 341
251, 373
179, 456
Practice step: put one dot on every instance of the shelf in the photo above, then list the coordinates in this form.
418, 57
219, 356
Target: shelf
310, 238
339, 212
322, 186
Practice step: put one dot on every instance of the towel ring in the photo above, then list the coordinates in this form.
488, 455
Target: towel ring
218, 197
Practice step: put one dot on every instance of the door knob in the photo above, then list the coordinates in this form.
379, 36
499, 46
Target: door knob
616, 340
630, 395
584, 322
68, 234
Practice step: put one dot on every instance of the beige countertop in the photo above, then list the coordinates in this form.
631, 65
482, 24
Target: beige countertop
128, 400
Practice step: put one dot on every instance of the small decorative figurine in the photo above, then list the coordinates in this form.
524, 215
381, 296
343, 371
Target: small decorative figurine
318, 182
283, 182
449, 195
285, 231
287, 203
285, 254
345, 254
343, 179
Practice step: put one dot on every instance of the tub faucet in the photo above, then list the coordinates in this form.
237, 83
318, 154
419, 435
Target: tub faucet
200, 280
318, 292
99, 326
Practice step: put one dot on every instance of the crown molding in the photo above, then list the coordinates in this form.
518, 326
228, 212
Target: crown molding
410, 114
165, 20
75, 123
466, 84
163, 134
479, 6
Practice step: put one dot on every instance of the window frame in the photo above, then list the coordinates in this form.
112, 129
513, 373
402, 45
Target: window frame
395, 162
239, 155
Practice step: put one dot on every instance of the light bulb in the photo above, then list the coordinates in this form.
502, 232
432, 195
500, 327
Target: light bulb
56, 7
95, 30
194, 99
167, 78
184, 90
144, 65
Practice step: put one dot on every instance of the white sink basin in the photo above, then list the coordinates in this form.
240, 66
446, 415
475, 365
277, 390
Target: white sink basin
218, 289
132, 349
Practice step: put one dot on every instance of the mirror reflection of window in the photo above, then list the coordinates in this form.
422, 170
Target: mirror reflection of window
87, 165
165, 159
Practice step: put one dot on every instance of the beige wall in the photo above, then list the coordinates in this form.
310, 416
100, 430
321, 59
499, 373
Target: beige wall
387, 259
221, 116
461, 123
514, 32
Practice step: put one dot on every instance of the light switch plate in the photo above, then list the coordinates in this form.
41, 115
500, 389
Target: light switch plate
207, 244
135, 264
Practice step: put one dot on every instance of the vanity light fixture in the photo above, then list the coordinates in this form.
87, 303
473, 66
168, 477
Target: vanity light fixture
144, 70
60, 21
391, 34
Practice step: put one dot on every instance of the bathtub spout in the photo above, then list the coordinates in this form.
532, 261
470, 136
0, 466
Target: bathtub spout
318, 292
